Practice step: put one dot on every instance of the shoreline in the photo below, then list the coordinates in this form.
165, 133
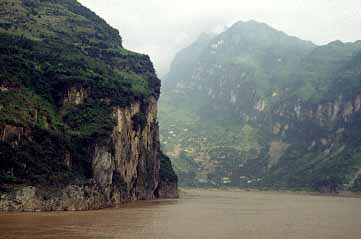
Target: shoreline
348, 194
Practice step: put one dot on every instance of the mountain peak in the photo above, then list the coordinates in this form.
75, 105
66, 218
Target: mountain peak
252, 24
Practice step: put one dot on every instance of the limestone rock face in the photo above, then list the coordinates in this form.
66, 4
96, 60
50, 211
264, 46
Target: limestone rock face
71, 198
167, 190
75, 96
125, 168
78, 111
322, 134
131, 156
299, 102
13, 134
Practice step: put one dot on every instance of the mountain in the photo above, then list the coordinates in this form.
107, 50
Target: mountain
319, 135
231, 61
256, 107
78, 112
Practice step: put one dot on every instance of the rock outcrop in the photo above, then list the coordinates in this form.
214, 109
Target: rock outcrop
125, 168
259, 108
78, 113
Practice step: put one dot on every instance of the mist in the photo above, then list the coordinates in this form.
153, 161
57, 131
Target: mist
161, 28
252, 132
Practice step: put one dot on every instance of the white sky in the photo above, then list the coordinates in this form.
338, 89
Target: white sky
160, 28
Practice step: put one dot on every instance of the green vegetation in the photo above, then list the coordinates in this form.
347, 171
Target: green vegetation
23, 108
62, 70
254, 107
356, 187
89, 120
39, 161
204, 151
166, 171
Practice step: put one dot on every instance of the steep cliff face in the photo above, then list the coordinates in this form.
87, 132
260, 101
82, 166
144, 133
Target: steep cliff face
132, 154
78, 112
322, 135
261, 108
124, 167
208, 108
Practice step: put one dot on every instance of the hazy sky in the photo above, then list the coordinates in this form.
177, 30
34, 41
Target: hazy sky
160, 28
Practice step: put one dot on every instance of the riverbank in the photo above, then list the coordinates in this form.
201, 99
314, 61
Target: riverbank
20, 198
183, 191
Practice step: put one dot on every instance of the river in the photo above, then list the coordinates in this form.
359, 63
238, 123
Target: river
201, 214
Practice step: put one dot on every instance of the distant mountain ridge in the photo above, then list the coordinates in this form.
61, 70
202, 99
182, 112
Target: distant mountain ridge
251, 98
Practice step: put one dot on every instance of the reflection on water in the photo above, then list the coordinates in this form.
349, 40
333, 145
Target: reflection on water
200, 214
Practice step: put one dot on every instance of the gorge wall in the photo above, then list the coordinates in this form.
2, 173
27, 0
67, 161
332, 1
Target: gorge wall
259, 108
78, 113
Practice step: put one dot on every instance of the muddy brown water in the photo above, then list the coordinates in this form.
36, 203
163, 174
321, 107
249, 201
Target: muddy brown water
201, 214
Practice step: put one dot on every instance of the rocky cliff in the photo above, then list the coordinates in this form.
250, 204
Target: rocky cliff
78, 113
319, 135
261, 108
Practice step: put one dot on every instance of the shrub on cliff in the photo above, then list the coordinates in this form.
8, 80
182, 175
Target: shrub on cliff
356, 187
166, 171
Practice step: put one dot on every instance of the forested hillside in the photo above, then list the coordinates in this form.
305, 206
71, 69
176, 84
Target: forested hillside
256, 107
78, 112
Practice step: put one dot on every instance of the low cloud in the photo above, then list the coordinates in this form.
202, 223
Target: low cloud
160, 28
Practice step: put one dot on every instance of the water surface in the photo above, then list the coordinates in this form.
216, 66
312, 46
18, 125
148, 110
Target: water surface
201, 214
